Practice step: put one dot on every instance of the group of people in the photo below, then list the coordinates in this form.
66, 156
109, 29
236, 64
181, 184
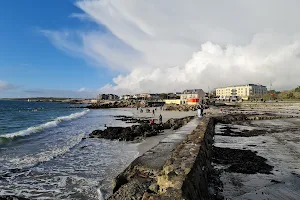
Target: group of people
200, 113
152, 121
147, 111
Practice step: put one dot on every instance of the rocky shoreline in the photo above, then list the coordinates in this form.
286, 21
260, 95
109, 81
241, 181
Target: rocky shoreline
134, 104
136, 132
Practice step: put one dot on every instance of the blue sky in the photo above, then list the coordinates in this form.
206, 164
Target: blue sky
29, 61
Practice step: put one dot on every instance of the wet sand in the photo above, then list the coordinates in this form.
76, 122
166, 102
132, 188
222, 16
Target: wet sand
281, 149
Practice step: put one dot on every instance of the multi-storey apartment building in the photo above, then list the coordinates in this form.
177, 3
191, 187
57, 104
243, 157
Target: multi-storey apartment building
241, 91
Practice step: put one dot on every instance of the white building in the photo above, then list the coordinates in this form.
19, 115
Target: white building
241, 91
125, 97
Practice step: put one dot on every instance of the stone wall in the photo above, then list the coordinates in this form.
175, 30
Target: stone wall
172, 170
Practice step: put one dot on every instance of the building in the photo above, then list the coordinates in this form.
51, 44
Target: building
144, 95
108, 97
241, 91
172, 101
192, 97
154, 96
126, 97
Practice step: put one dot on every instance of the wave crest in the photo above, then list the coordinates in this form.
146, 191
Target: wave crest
54, 123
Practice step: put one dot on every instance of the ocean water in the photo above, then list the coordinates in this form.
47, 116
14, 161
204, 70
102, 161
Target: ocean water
45, 152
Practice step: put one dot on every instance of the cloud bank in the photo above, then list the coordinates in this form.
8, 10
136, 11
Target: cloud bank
171, 45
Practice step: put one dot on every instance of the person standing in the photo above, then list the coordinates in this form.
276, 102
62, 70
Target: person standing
202, 108
151, 121
153, 112
199, 111
160, 119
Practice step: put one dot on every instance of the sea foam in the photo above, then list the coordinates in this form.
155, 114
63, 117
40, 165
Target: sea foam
36, 129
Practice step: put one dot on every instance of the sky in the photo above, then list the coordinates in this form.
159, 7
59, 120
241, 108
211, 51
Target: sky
78, 48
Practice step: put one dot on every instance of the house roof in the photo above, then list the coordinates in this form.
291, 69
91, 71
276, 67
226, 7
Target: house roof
242, 85
193, 91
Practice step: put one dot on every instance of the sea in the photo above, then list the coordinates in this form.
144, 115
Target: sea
45, 152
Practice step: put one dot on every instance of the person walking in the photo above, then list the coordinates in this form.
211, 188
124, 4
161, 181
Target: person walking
153, 112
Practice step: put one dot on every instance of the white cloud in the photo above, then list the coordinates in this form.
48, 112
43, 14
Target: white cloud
6, 86
173, 44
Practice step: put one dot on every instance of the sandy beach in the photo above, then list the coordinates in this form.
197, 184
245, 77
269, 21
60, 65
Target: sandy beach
166, 115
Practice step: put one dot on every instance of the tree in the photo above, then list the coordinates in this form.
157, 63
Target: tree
286, 95
297, 89
297, 95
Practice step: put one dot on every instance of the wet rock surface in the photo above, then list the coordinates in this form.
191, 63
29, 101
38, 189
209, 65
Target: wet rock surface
241, 161
215, 185
129, 119
114, 104
229, 130
12, 198
182, 107
137, 131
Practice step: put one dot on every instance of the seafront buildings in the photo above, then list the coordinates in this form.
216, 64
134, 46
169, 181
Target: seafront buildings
195, 96
241, 91
108, 97
192, 97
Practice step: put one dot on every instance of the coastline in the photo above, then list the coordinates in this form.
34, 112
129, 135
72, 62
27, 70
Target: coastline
237, 144
155, 150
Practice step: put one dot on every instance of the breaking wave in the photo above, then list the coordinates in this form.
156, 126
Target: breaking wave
54, 123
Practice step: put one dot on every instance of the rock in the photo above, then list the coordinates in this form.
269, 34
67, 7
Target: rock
150, 133
129, 119
180, 107
241, 161
133, 190
12, 198
114, 104
136, 131
154, 187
